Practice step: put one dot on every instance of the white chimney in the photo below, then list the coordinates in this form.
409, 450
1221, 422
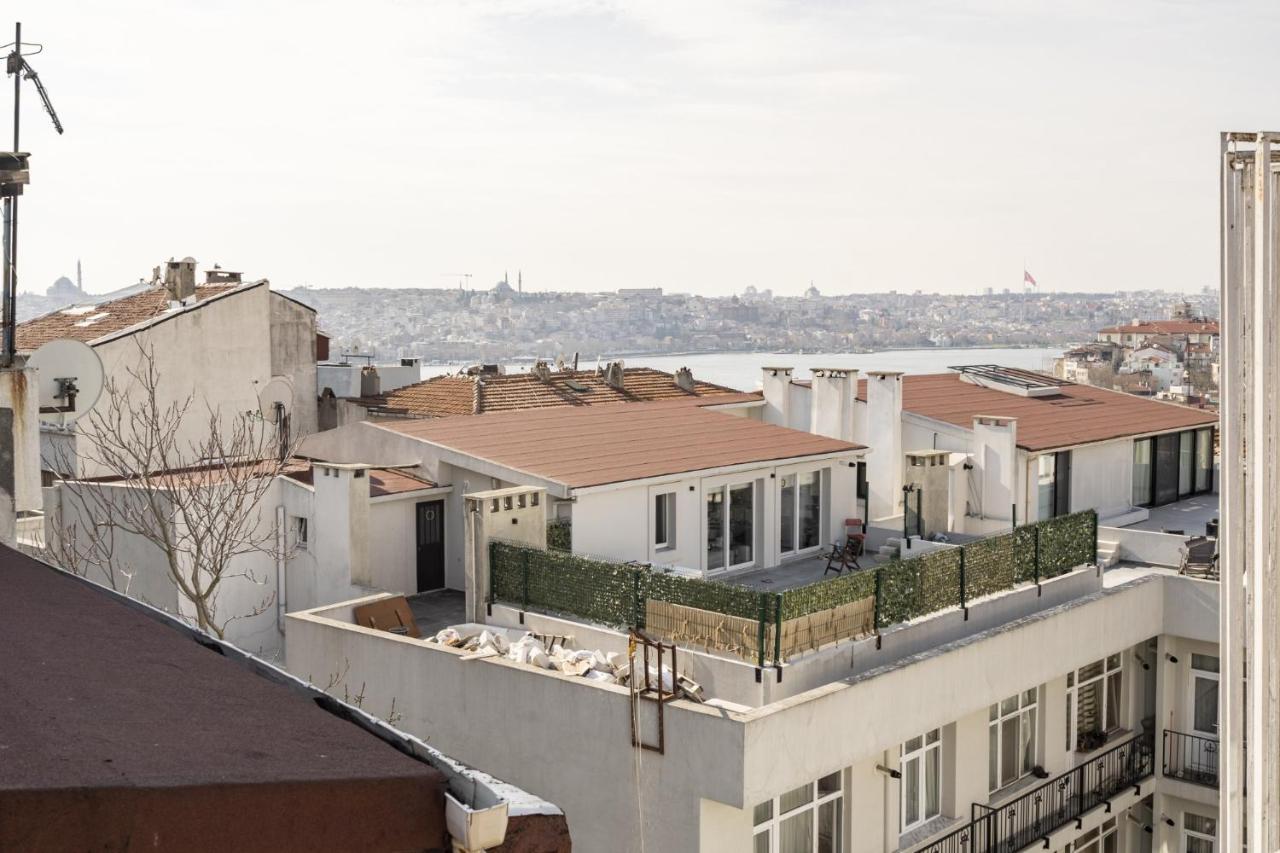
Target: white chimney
995, 460
180, 278
884, 437
777, 396
831, 402
340, 528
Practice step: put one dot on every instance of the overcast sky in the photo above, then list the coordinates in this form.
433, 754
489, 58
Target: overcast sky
698, 146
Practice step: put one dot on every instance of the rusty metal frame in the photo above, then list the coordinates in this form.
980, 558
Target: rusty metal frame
649, 690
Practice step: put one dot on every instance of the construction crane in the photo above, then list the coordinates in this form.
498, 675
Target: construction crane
460, 275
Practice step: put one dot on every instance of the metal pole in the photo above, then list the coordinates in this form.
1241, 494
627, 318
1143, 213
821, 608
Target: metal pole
11, 208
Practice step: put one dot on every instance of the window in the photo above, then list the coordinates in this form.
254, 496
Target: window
1199, 833
1093, 703
731, 526
664, 521
800, 512
1012, 737
1172, 466
809, 819
1186, 463
1204, 695
1142, 472
300, 532
921, 783
1053, 484
1100, 839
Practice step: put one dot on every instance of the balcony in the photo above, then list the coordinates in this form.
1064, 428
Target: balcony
1031, 817
1191, 758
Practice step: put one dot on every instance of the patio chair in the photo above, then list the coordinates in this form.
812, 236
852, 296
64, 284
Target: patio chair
1199, 557
845, 556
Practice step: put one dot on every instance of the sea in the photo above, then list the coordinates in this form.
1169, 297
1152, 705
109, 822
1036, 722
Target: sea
741, 370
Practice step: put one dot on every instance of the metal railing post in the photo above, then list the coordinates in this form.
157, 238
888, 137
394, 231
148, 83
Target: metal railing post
1035, 535
762, 615
777, 630
964, 592
879, 596
524, 605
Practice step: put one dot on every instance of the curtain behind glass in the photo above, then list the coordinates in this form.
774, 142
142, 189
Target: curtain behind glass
810, 509
1142, 472
787, 514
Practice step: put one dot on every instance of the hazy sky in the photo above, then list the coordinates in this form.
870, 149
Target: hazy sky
697, 146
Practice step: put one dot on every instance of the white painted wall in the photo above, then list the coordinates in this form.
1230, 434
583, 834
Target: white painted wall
1102, 477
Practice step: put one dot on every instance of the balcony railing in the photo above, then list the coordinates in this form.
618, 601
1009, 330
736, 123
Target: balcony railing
1033, 815
1191, 758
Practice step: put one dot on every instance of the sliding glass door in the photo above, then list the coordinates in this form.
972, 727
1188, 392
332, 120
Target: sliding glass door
799, 512
731, 513
1170, 467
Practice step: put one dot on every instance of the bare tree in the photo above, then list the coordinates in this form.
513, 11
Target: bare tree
201, 503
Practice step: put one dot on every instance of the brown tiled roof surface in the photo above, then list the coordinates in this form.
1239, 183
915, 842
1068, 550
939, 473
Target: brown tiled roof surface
1079, 414
595, 445
89, 322
472, 395
1165, 327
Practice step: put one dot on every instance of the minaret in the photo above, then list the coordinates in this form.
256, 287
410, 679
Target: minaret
520, 281
79, 280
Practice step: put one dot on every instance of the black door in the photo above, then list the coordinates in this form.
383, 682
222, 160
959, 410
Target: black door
430, 545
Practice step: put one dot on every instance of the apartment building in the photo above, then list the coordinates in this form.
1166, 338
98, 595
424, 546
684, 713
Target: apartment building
222, 341
966, 705
1023, 446
1140, 333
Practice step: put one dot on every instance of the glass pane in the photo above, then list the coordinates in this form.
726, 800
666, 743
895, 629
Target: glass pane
792, 800
715, 529
1186, 460
993, 757
912, 745
1142, 472
1045, 486
1204, 459
763, 812
1199, 845
829, 784
1206, 705
1113, 701
810, 509
787, 514
1029, 697
660, 519
1205, 663
1092, 670
829, 827
1028, 737
1110, 844
1010, 751
1166, 468
1113, 662
1069, 717
1089, 708
1200, 824
1008, 706
741, 524
932, 783
795, 834
911, 792
762, 842
933, 736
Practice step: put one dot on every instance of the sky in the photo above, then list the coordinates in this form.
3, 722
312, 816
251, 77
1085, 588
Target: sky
696, 145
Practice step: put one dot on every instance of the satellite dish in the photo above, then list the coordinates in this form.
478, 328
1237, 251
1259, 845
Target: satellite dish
69, 377
276, 399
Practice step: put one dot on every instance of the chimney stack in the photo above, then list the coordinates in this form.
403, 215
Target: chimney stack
831, 402
541, 370
370, 381
884, 437
613, 375
777, 396
180, 278
684, 379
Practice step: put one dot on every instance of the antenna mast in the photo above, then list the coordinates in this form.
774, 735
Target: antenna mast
13, 176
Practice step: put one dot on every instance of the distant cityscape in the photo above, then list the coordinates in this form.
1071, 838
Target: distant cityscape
504, 323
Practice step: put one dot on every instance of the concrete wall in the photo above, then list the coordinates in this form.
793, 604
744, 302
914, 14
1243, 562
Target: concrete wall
545, 732
293, 356
1147, 547
1102, 477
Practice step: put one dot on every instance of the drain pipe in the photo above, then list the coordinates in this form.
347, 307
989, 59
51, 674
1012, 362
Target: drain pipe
282, 536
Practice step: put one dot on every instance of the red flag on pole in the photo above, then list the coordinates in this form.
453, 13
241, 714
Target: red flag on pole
1028, 278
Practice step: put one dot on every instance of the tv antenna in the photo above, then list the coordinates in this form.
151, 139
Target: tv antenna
14, 175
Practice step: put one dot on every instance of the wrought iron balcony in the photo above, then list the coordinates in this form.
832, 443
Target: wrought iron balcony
1191, 758
1033, 815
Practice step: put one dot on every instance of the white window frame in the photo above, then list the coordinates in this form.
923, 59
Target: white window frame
669, 510
726, 489
823, 504
1073, 697
301, 532
1189, 834
920, 754
1026, 704
1096, 843
772, 827
1207, 675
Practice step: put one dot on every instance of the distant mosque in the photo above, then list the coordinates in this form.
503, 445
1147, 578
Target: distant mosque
67, 290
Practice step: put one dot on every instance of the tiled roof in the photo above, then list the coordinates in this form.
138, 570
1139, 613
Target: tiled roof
1164, 327
474, 395
90, 321
382, 481
595, 445
1078, 414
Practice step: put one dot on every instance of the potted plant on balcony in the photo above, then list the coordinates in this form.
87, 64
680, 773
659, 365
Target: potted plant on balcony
1088, 741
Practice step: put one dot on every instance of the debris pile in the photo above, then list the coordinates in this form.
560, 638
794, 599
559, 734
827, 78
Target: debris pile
593, 664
